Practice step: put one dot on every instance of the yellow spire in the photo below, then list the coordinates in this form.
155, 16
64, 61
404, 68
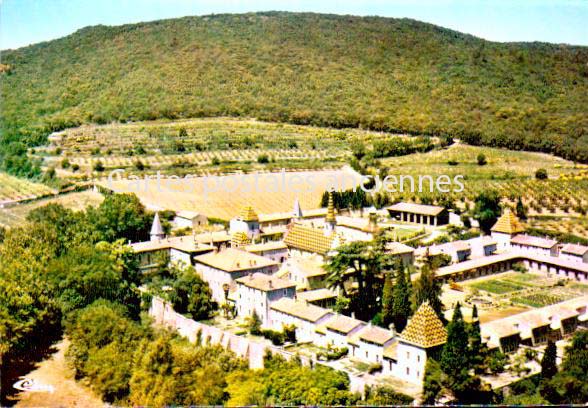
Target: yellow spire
249, 214
240, 239
330, 209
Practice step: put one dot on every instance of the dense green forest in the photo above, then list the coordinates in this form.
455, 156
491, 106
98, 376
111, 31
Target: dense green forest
396, 75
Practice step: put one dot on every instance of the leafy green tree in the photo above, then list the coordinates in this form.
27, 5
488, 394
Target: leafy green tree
385, 396
102, 342
433, 382
487, 209
121, 216
362, 262
570, 384
481, 159
153, 382
86, 274
254, 324
192, 295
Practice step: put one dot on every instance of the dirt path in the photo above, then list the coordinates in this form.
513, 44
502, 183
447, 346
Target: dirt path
67, 392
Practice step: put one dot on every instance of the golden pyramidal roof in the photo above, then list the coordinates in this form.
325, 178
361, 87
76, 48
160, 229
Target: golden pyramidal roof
425, 329
508, 223
309, 239
240, 239
249, 214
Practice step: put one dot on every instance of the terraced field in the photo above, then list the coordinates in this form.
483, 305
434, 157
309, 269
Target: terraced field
16, 189
511, 173
202, 142
16, 215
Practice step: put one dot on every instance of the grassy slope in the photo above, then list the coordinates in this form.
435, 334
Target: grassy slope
379, 73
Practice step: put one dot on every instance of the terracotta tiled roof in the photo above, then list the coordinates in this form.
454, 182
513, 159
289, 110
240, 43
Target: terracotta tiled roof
234, 260
309, 239
508, 223
343, 324
574, 249
529, 240
416, 208
185, 243
425, 329
397, 248
248, 214
299, 309
316, 295
266, 246
265, 283
373, 334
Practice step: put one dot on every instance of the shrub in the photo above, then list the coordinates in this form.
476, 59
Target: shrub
65, 163
139, 165
98, 166
541, 174
482, 159
263, 158
453, 162
215, 161
75, 167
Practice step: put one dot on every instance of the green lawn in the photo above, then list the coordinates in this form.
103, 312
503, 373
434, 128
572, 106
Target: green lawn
497, 286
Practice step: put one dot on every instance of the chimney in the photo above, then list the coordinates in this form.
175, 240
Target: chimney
392, 329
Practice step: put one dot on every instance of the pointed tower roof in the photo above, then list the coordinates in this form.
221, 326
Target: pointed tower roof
239, 239
508, 223
249, 214
297, 209
156, 228
330, 209
425, 329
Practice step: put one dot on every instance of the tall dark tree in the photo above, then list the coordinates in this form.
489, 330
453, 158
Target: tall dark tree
388, 300
487, 209
454, 358
520, 210
401, 308
428, 288
362, 262
570, 384
549, 361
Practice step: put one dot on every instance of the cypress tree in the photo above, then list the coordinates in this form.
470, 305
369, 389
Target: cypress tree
548, 362
388, 300
520, 210
455, 356
401, 302
428, 288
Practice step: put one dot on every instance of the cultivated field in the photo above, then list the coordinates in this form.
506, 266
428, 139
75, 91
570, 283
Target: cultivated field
214, 142
224, 196
512, 173
16, 215
16, 189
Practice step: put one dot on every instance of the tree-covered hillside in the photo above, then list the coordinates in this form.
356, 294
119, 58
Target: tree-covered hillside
341, 71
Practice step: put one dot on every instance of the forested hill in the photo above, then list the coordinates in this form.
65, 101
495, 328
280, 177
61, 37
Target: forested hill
378, 73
